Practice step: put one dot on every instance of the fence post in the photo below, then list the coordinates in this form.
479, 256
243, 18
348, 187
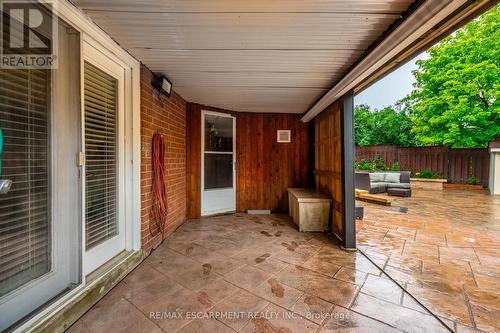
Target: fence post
449, 159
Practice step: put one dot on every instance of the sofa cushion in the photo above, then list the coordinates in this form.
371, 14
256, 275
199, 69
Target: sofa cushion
398, 185
376, 177
405, 176
392, 177
377, 189
378, 185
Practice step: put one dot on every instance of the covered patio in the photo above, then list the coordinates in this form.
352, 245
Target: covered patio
242, 273
124, 207
444, 250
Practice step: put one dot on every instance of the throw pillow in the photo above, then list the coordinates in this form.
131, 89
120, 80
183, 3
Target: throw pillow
376, 177
391, 177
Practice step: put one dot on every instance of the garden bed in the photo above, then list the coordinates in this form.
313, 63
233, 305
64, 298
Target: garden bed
428, 183
451, 186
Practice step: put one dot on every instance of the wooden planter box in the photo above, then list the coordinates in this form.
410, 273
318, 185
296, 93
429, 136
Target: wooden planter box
428, 183
450, 186
309, 209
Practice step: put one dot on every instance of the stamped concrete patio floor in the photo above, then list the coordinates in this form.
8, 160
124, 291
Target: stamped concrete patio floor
255, 274
445, 251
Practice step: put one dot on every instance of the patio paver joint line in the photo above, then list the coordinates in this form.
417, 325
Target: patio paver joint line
405, 291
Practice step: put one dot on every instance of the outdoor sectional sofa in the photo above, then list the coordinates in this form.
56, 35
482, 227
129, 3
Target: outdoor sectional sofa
381, 182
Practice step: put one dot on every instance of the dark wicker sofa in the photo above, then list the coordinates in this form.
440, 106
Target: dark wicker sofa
378, 182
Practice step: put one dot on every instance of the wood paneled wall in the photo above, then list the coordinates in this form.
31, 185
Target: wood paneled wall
328, 161
265, 168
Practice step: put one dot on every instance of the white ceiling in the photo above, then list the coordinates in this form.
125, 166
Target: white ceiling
247, 55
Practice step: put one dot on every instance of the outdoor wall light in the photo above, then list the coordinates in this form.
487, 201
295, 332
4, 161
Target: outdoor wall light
162, 84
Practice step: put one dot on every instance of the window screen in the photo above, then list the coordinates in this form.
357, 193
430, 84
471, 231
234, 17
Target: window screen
218, 171
101, 153
218, 156
25, 209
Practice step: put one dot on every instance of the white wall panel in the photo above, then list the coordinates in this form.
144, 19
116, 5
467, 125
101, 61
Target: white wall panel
259, 55
249, 6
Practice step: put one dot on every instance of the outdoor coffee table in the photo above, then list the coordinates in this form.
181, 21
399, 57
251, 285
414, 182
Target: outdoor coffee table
399, 192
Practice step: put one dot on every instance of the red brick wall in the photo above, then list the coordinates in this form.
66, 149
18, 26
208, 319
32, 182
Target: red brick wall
168, 117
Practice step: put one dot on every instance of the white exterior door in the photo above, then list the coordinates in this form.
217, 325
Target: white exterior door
103, 142
218, 161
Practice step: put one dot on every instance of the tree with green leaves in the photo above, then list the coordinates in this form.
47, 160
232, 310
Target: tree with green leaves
455, 102
382, 127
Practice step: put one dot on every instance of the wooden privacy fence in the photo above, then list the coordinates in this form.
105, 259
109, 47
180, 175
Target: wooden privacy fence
455, 164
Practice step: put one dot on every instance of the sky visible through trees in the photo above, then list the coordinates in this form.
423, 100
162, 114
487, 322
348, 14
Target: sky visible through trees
454, 101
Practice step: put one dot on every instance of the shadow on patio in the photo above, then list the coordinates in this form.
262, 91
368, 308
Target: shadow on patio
255, 274
445, 251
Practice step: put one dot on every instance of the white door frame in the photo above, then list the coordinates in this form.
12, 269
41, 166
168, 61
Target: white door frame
205, 211
101, 253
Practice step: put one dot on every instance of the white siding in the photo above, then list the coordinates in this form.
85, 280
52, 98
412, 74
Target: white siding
259, 55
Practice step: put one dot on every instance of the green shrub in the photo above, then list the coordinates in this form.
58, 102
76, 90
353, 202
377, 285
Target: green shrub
378, 164
438, 175
473, 181
364, 165
426, 173
395, 166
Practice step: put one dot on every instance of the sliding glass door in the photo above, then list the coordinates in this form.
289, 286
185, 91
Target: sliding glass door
25, 214
39, 182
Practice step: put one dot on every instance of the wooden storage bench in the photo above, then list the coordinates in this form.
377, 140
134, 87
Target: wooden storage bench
309, 209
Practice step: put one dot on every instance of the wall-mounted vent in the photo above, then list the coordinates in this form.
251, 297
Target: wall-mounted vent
284, 136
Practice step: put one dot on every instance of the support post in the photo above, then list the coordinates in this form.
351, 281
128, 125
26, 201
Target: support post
311, 154
349, 222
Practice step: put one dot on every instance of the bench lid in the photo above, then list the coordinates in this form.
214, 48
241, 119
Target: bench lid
308, 195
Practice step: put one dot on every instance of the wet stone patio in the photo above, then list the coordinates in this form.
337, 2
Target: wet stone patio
445, 251
255, 274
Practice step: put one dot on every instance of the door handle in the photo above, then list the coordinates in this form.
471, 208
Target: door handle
80, 159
